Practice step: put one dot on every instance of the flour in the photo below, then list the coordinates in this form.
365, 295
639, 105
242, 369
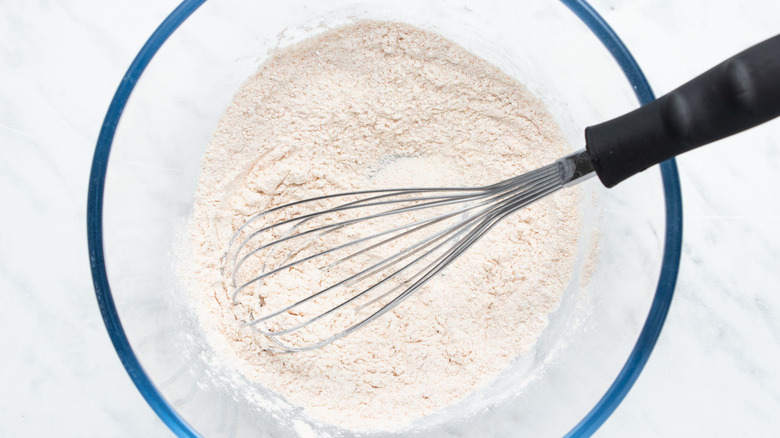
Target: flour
380, 105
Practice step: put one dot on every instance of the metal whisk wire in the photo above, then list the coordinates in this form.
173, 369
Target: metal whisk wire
464, 215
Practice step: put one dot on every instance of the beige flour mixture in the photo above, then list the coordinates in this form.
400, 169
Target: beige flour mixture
386, 105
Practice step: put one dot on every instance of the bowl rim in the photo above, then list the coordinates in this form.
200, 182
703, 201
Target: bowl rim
606, 405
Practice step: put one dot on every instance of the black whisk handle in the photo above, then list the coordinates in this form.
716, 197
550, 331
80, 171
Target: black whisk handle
738, 94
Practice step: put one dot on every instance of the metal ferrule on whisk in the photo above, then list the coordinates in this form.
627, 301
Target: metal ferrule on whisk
575, 168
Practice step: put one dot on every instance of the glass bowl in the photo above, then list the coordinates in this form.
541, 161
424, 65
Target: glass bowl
145, 171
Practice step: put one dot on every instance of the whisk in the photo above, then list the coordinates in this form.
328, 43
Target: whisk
355, 256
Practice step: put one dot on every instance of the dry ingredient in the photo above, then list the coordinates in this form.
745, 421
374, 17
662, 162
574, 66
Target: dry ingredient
379, 104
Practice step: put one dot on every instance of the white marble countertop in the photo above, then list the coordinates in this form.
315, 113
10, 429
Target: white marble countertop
713, 372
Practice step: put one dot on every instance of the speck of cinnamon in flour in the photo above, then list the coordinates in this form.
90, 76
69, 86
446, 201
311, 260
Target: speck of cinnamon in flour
378, 104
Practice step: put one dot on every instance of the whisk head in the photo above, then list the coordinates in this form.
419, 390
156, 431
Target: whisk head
311, 272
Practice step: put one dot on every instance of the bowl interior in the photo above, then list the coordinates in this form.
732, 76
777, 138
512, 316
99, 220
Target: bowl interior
152, 175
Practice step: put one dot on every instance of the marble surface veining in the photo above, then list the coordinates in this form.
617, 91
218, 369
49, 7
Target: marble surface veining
713, 372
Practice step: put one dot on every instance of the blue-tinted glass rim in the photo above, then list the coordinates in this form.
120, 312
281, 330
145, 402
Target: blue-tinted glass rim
586, 427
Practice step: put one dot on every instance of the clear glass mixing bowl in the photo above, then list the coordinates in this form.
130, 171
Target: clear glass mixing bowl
169, 101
